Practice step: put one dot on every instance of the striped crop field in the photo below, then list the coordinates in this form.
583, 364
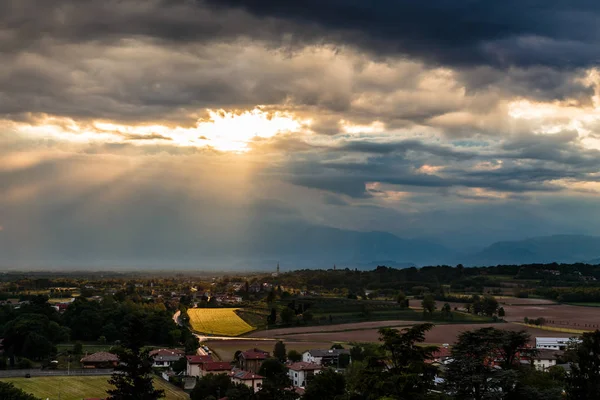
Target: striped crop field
81, 387
218, 321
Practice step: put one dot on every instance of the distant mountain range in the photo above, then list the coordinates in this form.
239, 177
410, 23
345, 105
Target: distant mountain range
323, 246
544, 249
260, 244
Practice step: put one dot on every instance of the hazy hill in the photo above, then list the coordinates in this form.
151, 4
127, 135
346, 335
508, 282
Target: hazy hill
544, 249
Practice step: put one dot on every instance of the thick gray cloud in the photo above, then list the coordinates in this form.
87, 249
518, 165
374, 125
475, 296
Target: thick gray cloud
461, 122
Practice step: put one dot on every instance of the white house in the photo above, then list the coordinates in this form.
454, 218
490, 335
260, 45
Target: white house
302, 372
324, 357
554, 343
545, 359
166, 357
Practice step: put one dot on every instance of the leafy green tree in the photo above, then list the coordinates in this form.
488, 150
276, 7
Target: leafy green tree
9, 392
271, 297
538, 385
584, 380
215, 385
490, 305
446, 310
191, 345
239, 391
326, 385
472, 375
401, 298
180, 365
403, 373
78, 348
428, 304
501, 312
279, 351
287, 315
272, 318
277, 383
294, 356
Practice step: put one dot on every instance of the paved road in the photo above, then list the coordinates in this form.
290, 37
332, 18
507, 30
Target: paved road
15, 373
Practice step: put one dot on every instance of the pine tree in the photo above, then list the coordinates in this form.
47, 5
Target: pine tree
133, 376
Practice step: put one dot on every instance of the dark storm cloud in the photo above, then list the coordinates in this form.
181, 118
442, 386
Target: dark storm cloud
406, 146
512, 32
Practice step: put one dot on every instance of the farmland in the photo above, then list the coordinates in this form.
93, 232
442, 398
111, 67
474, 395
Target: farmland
218, 321
80, 387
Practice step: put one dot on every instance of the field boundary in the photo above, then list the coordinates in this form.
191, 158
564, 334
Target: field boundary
553, 328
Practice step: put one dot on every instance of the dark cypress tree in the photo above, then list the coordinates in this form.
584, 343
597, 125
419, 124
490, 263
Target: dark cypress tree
133, 376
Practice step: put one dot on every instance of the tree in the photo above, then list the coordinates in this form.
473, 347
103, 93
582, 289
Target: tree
490, 305
402, 373
326, 385
191, 345
77, 348
401, 298
501, 312
215, 385
180, 365
428, 304
239, 391
287, 315
471, 374
446, 310
584, 380
272, 318
279, 351
9, 392
271, 297
132, 378
277, 382
294, 356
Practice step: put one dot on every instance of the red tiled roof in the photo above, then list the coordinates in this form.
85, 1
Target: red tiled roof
216, 366
198, 359
167, 352
304, 366
101, 356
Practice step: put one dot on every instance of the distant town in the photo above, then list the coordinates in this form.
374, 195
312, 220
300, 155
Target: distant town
309, 334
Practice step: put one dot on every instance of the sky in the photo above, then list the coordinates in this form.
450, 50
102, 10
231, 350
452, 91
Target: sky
173, 130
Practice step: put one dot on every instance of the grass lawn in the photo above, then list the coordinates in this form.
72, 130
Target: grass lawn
80, 387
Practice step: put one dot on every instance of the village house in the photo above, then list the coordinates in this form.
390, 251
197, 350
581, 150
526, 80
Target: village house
195, 363
302, 372
100, 360
250, 379
166, 357
545, 359
251, 360
215, 367
324, 357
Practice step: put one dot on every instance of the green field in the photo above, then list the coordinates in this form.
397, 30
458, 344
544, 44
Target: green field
80, 387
